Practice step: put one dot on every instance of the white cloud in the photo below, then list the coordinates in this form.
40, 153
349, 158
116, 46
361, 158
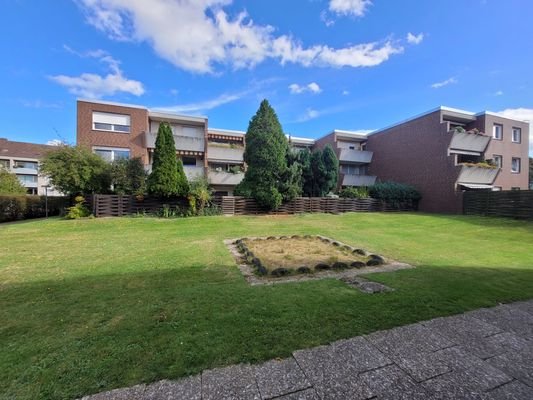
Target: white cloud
447, 82
40, 104
415, 39
345, 92
55, 142
356, 8
309, 115
205, 105
312, 87
522, 114
197, 35
95, 86
498, 93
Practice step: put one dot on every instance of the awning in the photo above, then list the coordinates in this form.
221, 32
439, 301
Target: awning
476, 186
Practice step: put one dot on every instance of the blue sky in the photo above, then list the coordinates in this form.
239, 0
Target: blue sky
323, 64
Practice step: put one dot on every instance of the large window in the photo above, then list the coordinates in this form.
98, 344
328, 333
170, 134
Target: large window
497, 131
188, 161
25, 179
517, 135
515, 165
26, 164
119, 123
497, 160
109, 154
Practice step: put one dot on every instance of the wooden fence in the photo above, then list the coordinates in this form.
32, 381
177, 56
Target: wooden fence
508, 203
117, 205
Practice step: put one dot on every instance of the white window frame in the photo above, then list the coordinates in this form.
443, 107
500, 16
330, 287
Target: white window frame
112, 150
495, 157
513, 170
494, 130
496, 188
519, 131
114, 121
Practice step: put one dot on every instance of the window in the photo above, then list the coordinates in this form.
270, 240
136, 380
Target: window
515, 165
4, 164
26, 164
517, 135
497, 189
111, 122
497, 160
25, 179
189, 161
497, 132
112, 154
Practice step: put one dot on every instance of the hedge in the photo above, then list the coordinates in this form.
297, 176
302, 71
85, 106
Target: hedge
14, 208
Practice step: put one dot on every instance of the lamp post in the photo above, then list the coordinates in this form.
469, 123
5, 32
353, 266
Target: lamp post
46, 199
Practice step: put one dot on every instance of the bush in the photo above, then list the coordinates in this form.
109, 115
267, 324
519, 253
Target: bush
13, 208
78, 210
355, 193
394, 192
10, 184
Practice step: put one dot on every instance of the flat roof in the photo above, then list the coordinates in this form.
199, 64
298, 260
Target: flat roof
227, 132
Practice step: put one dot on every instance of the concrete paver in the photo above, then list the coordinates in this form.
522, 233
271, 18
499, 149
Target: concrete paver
485, 354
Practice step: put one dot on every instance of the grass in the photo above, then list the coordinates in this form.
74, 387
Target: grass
292, 253
90, 305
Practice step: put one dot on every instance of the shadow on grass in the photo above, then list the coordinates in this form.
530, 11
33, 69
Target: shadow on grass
68, 338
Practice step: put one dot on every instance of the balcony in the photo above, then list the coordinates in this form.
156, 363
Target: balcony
476, 176
357, 180
193, 172
224, 178
25, 171
186, 143
225, 154
355, 156
469, 142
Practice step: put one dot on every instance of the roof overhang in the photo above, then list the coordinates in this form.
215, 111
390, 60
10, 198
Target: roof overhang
476, 186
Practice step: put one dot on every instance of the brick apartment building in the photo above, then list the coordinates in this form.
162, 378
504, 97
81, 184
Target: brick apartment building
22, 159
434, 151
439, 152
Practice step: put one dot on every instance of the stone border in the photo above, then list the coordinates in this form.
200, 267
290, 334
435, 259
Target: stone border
352, 277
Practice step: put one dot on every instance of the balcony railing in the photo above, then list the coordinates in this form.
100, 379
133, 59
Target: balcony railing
186, 143
225, 154
358, 180
471, 174
469, 142
224, 178
355, 156
193, 172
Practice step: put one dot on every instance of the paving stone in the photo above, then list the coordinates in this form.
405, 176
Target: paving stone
421, 366
511, 391
410, 339
131, 393
511, 342
360, 354
507, 318
391, 382
450, 386
234, 382
462, 328
278, 377
526, 306
307, 394
332, 376
188, 388
519, 366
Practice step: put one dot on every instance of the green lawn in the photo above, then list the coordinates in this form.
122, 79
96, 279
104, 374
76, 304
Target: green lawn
91, 305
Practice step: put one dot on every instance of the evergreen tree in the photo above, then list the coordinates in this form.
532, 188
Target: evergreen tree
128, 176
183, 184
291, 183
163, 181
331, 164
319, 174
304, 159
266, 157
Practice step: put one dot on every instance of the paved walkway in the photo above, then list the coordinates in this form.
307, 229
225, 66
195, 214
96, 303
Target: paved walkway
484, 354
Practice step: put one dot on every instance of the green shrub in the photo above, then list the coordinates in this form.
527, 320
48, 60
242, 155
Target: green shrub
13, 208
78, 210
355, 193
394, 192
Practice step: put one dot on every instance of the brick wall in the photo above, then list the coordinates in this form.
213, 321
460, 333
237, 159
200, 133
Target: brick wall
415, 153
134, 141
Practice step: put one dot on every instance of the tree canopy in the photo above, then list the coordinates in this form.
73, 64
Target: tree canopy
10, 184
75, 169
128, 176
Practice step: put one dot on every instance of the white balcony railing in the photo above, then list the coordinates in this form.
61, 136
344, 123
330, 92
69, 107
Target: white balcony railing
358, 180
224, 178
225, 154
186, 143
355, 156
193, 172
